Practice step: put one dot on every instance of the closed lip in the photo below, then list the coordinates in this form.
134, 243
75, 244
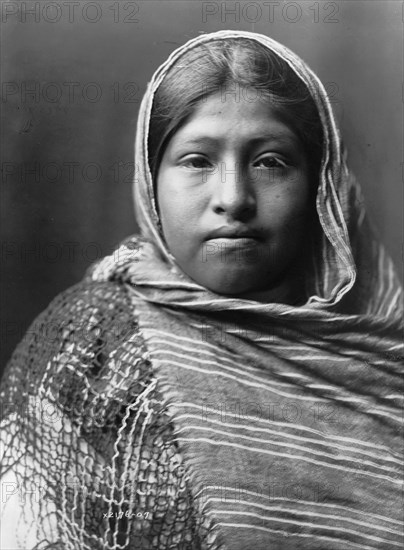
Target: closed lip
234, 232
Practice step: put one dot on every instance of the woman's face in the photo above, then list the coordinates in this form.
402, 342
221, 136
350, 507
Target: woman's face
233, 193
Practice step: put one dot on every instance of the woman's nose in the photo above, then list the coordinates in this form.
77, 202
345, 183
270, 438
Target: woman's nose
233, 192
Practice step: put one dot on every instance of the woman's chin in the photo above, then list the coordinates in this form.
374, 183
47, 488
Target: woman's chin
235, 283
250, 284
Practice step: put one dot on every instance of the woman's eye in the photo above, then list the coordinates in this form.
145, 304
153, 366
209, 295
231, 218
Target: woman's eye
197, 163
270, 162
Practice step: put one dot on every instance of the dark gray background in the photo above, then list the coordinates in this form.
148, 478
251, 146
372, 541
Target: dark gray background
56, 223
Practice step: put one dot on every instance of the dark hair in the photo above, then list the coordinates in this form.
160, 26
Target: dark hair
221, 65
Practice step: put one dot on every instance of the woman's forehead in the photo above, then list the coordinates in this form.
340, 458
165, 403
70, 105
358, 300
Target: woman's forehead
215, 120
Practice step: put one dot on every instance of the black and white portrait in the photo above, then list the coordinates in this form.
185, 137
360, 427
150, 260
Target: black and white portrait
202, 312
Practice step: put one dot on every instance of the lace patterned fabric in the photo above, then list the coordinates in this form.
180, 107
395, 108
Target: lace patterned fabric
89, 433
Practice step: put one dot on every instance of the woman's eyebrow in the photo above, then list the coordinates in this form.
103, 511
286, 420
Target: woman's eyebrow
287, 137
202, 140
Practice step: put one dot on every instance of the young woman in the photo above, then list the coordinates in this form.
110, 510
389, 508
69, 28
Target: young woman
232, 377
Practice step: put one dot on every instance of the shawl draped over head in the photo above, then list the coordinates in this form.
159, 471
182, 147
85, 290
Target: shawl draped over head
287, 419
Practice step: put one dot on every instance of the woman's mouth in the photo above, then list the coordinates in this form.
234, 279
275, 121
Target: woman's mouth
232, 249
234, 233
234, 242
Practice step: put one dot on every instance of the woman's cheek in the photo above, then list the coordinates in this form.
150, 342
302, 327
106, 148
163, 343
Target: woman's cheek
289, 227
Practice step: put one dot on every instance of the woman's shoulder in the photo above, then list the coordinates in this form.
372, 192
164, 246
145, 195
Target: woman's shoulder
87, 335
86, 315
102, 287
96, 308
